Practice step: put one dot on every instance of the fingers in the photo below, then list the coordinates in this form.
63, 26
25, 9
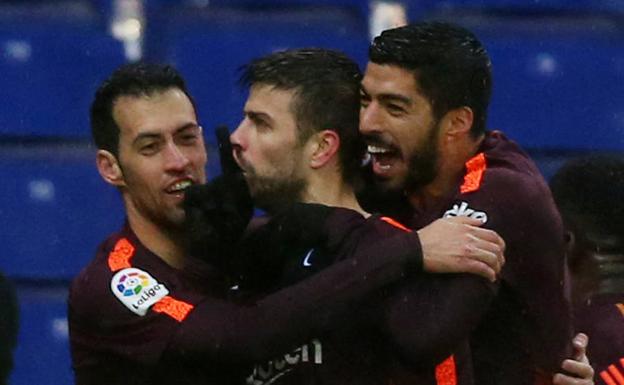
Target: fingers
580, 342
477, 267
562, 379
226, 158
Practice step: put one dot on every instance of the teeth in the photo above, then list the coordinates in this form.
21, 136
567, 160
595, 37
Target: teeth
372, 149
180, 186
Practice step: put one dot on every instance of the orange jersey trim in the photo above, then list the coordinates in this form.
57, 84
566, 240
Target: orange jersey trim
446, 372
617, 374
396, 224
175, 309
120, 257
475, 167
620, 307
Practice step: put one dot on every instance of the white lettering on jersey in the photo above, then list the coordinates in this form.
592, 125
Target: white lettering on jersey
137, 290
269, 372
462, 210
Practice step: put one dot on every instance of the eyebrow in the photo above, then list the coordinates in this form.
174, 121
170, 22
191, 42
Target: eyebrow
155, 135
258, 114
390, 97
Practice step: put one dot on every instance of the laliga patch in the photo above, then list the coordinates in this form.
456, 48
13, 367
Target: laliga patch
462, 210
137, 290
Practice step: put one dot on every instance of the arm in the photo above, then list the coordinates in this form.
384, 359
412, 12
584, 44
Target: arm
226, 332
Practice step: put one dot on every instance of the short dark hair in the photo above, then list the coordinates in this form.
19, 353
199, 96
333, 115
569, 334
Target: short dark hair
327, 95
589, 192
449, 63
136, 79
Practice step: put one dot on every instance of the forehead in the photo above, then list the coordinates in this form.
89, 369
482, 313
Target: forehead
158, 112
388, 78
270, 100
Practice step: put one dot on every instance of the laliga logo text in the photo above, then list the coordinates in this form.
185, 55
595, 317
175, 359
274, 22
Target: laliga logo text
462, 210
137, 290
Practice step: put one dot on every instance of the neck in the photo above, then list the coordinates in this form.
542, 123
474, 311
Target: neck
452, 159
330, 189
165, 243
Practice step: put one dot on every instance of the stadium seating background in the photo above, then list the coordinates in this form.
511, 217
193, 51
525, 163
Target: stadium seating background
558, 90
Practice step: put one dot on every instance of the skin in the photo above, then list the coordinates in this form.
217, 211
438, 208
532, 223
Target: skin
161, 150
267, 147
397, 120
421, 155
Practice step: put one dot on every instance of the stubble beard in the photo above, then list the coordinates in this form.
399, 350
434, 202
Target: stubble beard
273, 193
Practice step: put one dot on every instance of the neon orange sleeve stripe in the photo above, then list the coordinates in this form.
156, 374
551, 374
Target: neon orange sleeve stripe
175, 309
617, 375
446, 372
120, 257
395, 224
475, 167
620, 306
607, 378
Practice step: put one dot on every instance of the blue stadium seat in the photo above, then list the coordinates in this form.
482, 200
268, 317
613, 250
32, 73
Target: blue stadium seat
209, 45
55, 210
54, 54
42, 353
424, 9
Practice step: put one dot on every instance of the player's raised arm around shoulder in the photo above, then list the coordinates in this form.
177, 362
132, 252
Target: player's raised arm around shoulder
283, 320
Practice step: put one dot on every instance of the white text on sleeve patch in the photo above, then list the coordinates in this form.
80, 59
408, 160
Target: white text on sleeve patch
462, 210
137, 290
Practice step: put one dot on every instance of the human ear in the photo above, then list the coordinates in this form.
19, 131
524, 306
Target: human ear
109, 168
326, 145
458, 121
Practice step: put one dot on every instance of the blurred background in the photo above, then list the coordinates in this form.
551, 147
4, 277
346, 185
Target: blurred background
558, 91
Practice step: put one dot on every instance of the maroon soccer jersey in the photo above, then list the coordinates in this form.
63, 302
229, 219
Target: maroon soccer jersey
602, 319
134, 319
388, 340
525, 334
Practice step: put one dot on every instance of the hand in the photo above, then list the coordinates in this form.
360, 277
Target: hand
458, 245
579, 369
218, 212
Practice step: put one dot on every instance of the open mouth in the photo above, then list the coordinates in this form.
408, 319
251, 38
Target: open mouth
179, 187
383, 157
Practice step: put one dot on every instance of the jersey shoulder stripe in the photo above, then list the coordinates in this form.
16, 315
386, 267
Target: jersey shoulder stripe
121, 255
119, 258
174, 308
446, 372
396, 224
475, 168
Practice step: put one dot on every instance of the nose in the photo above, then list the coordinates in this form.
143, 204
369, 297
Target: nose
175, 159
238, 140
369, 118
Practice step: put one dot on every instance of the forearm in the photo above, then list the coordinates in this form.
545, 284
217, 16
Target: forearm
226, 332
427, 318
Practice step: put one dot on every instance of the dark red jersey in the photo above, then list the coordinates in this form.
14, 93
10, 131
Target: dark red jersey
392, 338
135, 320
525, 334
602, 319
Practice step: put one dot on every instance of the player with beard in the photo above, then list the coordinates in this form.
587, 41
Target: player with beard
424, 97
136, 313
589, 192
289, 147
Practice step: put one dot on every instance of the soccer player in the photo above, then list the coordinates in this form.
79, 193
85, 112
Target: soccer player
137, 312
424, 97
589, 193
300, 114
298, 142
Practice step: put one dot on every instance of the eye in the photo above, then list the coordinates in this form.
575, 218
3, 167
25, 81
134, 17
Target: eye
149, 148
364, 100
395, 109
